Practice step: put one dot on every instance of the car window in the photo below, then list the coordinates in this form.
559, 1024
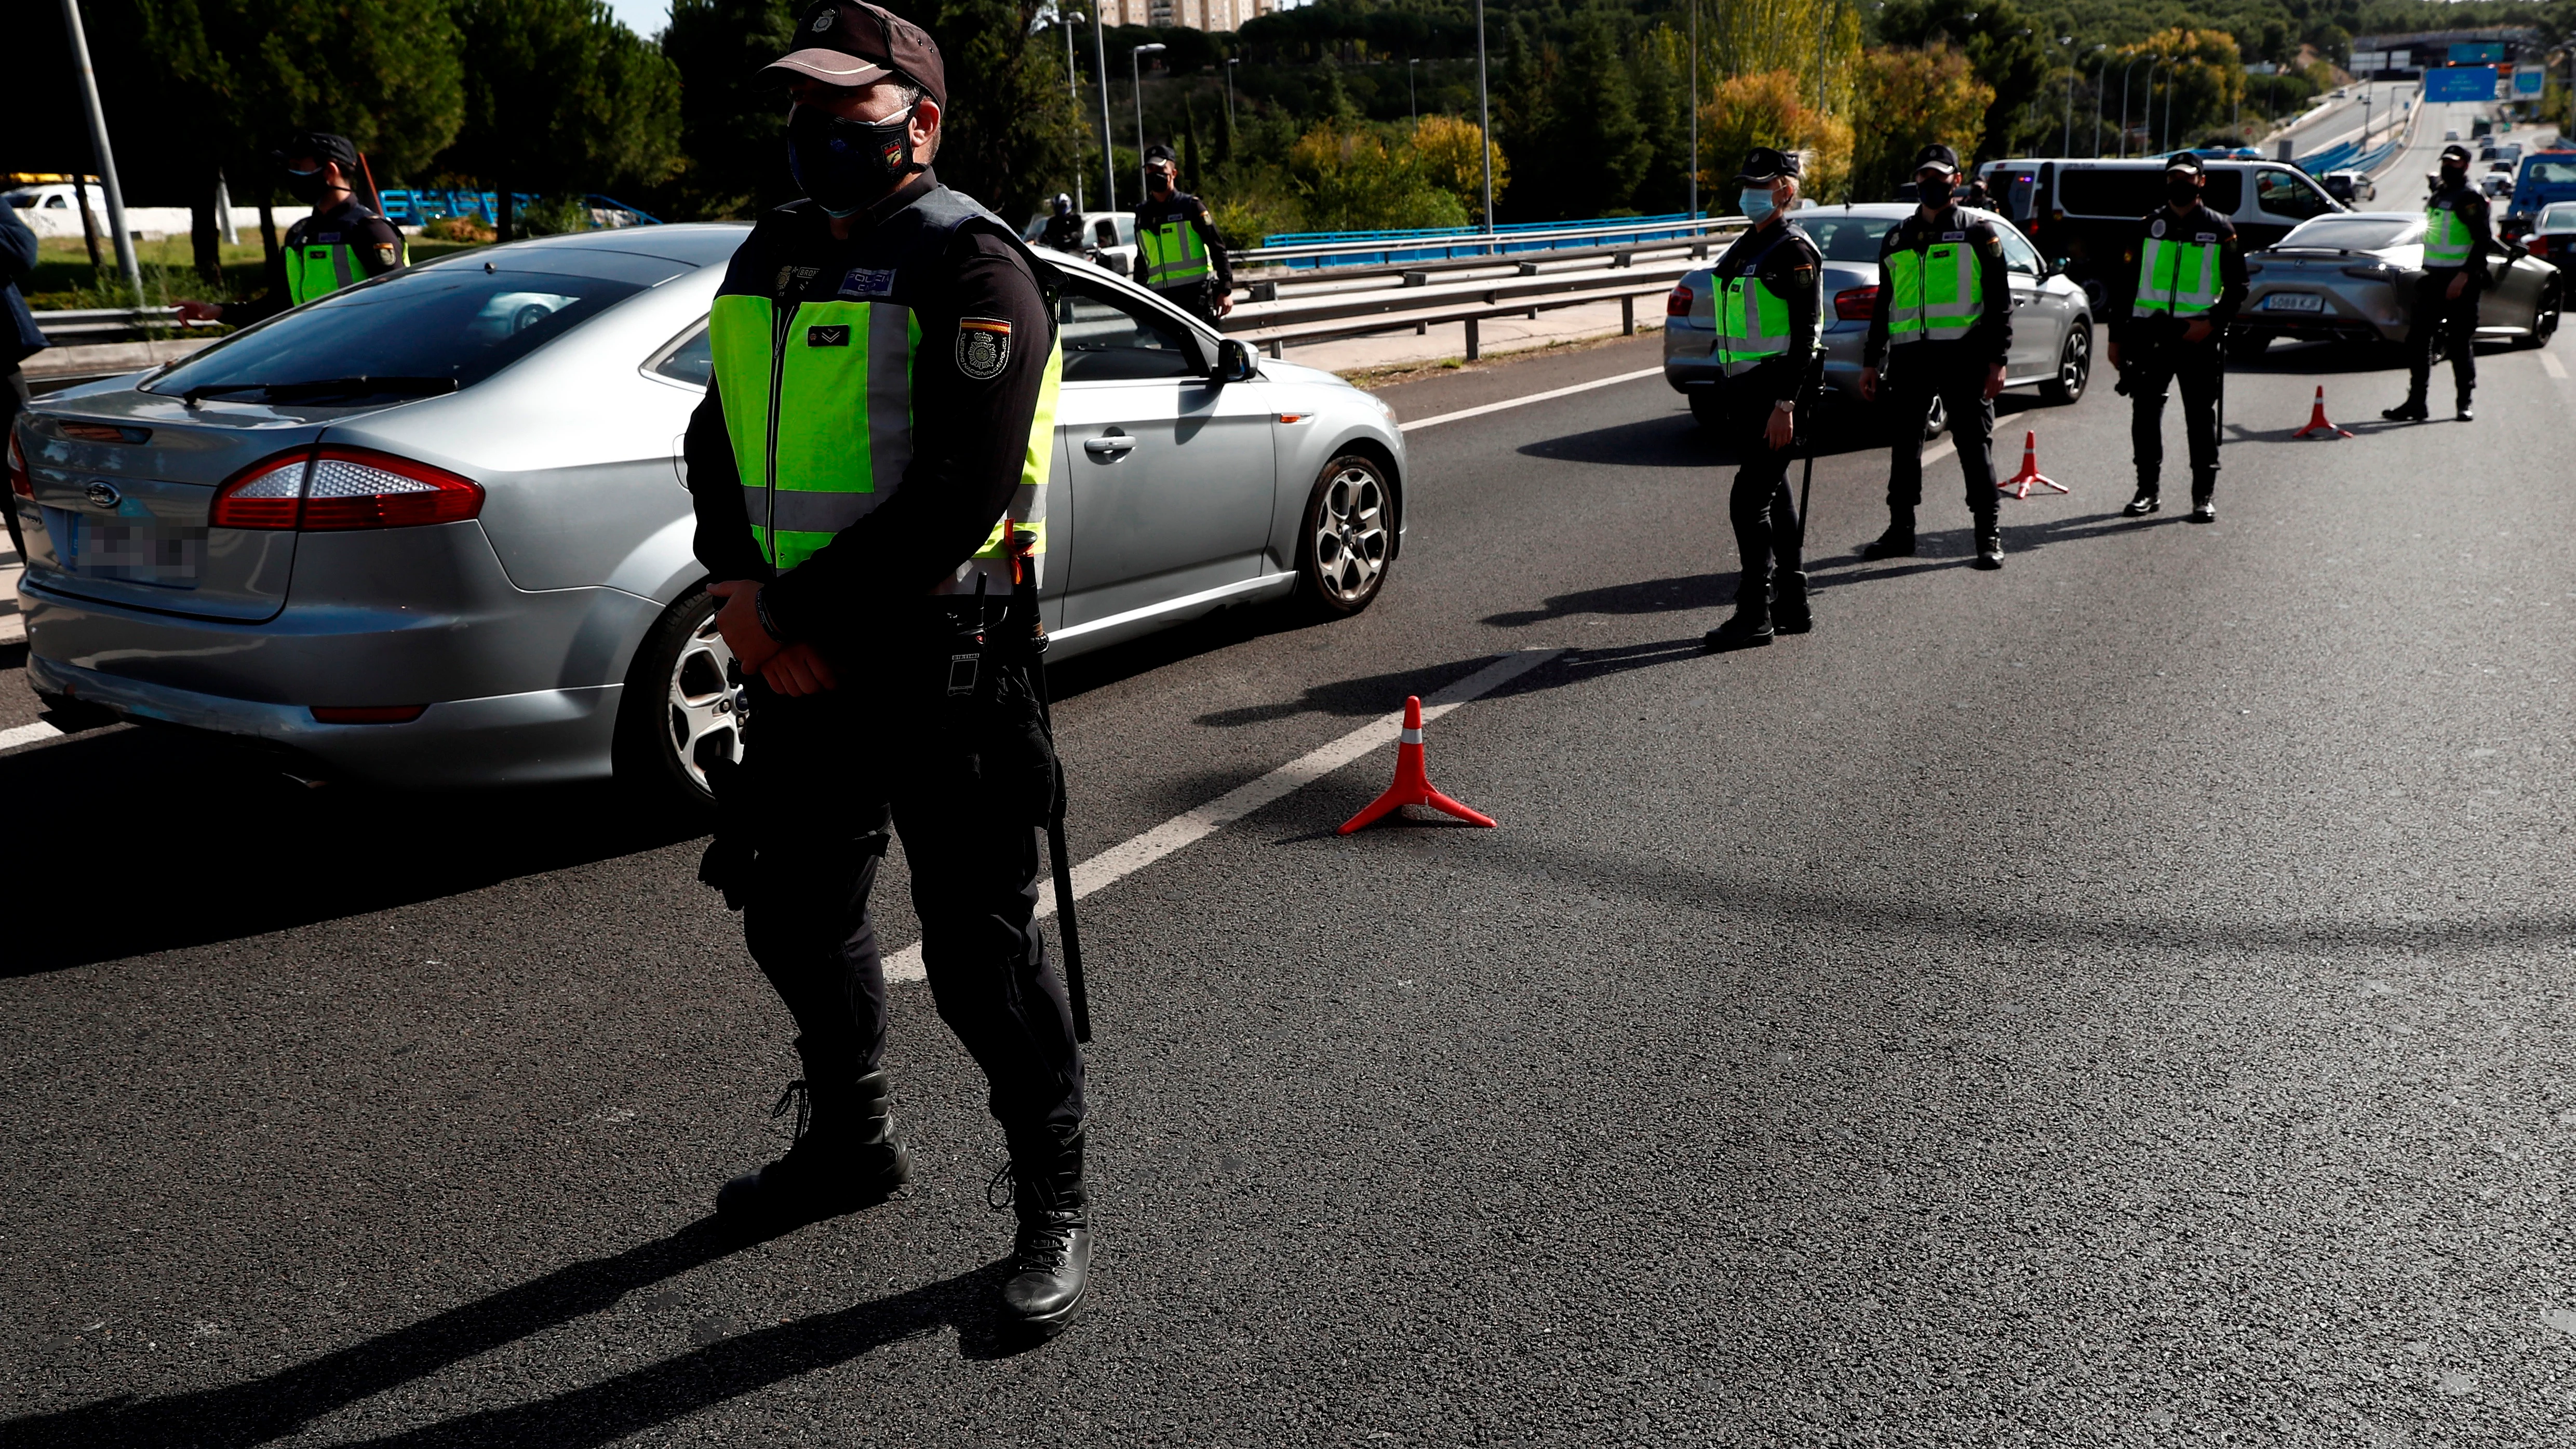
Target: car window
2286, 193
693, 361
2558, 216
2356, 233
460, 322
2550, 173
57, 203
2131, 192
2019, 256
1109, 338
1847, 238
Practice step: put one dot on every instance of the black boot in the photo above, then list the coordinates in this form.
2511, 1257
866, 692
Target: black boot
2410, 411
1051, 1255
1898, 541
1990, 544
1749, 629
1789, 612
2149, 499
844, 1158
2466, 413
2203, 510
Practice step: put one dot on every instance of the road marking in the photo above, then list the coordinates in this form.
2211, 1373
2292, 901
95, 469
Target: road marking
27, 734
1522, 402
1190, 827
1946, 447
2550, 363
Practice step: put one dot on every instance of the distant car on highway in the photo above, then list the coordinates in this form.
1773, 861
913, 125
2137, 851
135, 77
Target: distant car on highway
433, 530
2353, 277
1109, 238
2052, 348
2493, 185
2553, 236
2349, 187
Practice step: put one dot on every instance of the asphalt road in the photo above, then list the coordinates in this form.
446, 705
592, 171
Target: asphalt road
2120, 1000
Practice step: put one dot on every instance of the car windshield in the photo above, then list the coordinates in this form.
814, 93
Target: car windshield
2355, 233
452, 324
1847, 238
2558, 216
2549, 173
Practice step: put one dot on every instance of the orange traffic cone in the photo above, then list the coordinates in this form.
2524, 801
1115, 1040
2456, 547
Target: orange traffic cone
2020, 484
2317, 422
1412, 786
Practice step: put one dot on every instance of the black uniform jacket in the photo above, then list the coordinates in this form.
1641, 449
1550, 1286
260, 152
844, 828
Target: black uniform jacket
1985, 344
374, 241
2472, 208
1185, 207
1786, 259
2199, 225
970, 435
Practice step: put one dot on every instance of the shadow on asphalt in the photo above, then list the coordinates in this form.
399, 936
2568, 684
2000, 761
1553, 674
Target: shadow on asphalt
281, 1404
150, 839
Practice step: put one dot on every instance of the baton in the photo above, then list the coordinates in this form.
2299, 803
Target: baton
1024, 605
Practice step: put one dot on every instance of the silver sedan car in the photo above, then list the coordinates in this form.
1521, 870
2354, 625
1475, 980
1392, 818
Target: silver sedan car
434, 530
2052, 346
2352, 276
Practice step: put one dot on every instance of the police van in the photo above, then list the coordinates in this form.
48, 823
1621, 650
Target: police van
2083, 214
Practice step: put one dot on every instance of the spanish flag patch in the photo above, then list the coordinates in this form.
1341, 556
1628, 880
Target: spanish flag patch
983, 347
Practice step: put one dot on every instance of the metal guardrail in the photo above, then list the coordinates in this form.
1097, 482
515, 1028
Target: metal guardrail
101, 321
1388, 250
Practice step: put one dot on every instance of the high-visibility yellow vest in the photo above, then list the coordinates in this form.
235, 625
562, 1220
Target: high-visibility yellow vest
1935, 292
2176, 278
1750, 318
1173, 253
818, 401
319, 265
2447, 238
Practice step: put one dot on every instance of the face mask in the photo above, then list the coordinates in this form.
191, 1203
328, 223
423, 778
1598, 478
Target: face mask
1160, 182
2454, 175
2183, 194
1756, 204
844, 165
305, 185
1934, 193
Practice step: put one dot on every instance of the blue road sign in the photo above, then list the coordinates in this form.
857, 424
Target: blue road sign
2460, 83
2476, 54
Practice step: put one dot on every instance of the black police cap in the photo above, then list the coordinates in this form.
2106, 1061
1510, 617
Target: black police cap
2186, 161
2456, 153
1763, 165
321, 146
1939, 155
1159, 152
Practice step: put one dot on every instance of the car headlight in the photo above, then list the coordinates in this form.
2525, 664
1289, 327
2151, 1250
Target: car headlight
1383, 406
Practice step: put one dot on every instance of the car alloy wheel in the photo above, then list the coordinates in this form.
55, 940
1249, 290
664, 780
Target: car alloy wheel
2074, 368
2544, 318
1348, 536
704, 708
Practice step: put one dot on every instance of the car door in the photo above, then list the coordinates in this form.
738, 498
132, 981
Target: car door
2282, 199
2515, 296
2039, 315
1171, 474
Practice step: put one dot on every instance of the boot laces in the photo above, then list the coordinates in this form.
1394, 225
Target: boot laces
1002, 1190
801, 1097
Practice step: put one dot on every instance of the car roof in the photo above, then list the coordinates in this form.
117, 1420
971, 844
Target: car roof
698, 244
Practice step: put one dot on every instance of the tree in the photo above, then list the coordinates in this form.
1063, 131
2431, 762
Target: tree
1910, 99
1770, 109
1448, 148
2002, 44
1349, 180
562, 98
733, 121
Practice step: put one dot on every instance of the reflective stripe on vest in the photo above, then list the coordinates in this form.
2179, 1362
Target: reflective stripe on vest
318, 270
1935, 292
811, 463
2180, 278
1172, 253
1753, 322
2447, 238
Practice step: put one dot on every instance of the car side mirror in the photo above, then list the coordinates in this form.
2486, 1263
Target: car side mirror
1234, 363
1114, 262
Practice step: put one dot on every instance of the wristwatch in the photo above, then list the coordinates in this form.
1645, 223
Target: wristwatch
760, 609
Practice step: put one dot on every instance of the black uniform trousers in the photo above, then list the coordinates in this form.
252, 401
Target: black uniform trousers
1196, 298
965, 780
2453, 323
2152, 365
1767, 532
1918, 372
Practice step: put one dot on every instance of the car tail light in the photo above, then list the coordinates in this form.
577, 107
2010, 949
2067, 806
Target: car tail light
1677, 302
343, 489
368, 713
2540, 246
263, 495
1854, 305
19, 481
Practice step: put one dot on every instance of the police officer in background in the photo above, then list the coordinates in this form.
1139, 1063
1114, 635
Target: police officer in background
341, 243
1944, 307
1182, 256
1767, 291
2189, 282
2456, 233
1064, 227
876, 439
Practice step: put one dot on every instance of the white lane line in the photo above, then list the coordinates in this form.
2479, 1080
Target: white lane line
1934, 455
1536, 397
1188, 828
27, 734
2550, 364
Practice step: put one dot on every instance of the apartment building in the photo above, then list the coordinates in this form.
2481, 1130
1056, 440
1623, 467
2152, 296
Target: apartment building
1187, 14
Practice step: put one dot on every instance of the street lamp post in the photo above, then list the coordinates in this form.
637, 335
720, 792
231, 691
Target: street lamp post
1231, 62
2124, 102
2101, 83
125, 258
1412, 99
2169, 90
1484, 117
1073, 86
1136, 78
1100, 68
1694, 110
2066, 140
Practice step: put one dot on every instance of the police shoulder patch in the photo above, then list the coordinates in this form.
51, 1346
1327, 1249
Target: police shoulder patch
983, 347
384, 254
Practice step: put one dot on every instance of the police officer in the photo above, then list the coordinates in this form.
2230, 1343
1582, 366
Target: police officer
876, 440
341, 243
1064, 227
1182, 255
1767, 290
1944, 312
2190, 279
2456, 233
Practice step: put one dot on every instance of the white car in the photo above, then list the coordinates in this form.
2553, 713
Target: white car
1109, 238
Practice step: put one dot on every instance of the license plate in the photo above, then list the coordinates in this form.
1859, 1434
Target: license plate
133, 552
2294, 302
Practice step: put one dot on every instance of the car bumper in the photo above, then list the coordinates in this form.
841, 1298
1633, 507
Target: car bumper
540, 737
2349, 308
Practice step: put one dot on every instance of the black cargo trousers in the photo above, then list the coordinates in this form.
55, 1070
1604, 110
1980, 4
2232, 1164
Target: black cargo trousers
946, 748
2441, 320
1918, 373
2151, 365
